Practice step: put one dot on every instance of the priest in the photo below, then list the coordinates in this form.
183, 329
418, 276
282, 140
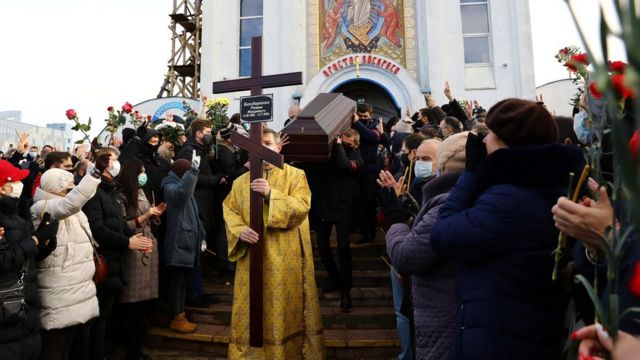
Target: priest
292, 320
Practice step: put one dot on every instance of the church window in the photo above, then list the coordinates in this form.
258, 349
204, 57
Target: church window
476, 31
250, 26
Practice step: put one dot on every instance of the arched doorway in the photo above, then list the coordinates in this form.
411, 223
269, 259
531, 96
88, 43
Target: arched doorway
384, 105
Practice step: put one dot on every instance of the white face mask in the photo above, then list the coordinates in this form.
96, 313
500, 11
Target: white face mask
423, 169
17, 187
115, 168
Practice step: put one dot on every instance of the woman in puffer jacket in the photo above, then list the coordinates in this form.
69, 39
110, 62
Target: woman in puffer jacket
67, 292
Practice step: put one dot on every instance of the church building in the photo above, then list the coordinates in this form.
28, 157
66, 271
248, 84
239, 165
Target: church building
384, 52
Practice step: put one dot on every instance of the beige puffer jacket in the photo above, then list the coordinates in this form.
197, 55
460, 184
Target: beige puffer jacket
67, 292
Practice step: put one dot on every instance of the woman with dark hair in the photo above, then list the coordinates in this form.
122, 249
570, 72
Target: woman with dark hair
140, 267
115, 240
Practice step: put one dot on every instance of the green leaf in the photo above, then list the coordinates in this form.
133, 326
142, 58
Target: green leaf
604, 30
630, 310
78, 142
597, 306
89, 122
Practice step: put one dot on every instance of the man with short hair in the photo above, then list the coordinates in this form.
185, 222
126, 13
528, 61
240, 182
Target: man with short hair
449, 126
200, 142
372, 135
58, 160
294, 111
292, 321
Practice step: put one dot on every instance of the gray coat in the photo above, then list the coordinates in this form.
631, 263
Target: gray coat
432, 278
185, 231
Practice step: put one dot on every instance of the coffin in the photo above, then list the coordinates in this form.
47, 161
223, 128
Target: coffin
312, 133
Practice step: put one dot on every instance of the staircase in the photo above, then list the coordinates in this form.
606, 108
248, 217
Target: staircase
367, 331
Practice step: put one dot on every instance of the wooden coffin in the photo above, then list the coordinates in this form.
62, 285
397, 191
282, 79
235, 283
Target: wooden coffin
312, 133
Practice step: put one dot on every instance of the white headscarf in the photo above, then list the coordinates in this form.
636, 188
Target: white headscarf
56, 181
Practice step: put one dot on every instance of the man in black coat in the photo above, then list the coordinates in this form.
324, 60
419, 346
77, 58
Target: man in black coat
335, 200
20, 248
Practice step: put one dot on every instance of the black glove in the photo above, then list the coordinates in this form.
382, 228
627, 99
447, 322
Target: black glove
476, 151
47, 230
391, 207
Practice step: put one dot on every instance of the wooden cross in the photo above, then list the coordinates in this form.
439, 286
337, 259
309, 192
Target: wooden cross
257, 153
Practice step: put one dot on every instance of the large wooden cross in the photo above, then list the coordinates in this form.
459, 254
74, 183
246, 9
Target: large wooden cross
257, 153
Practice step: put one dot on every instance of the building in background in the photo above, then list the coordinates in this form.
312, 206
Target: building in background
59, 136
385, 52
557, 96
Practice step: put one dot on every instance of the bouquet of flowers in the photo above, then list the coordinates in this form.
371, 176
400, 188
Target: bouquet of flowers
216, 112
576, 63
170, 131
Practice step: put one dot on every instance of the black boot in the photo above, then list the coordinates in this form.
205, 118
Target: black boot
345, 300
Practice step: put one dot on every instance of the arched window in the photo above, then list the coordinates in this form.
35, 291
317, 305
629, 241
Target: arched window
250, 26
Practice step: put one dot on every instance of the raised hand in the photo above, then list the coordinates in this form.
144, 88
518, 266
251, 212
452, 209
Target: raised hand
380, 126
23, 142
386, 180
195, 160
284, 139
447, 91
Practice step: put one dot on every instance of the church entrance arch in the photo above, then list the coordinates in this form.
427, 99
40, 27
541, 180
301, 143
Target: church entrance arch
353, 74
384, 105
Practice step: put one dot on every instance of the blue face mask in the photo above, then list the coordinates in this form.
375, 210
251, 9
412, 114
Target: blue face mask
423, 169
142, 179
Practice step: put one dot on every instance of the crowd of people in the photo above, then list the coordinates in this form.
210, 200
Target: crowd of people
471, 201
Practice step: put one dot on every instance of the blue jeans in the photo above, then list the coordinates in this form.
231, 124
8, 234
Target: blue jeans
403, 323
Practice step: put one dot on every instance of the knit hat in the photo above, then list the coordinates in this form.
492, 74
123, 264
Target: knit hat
56, 181
10, 173
225, 132
180, 166
451, 153
520, 122
403, 126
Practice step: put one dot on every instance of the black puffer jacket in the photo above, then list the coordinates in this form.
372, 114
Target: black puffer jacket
109, 229
21, 340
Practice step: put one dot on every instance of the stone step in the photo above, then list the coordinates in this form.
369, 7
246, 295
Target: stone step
357, 263
370, 249
213, 340
360, 296
332, 317
361, 278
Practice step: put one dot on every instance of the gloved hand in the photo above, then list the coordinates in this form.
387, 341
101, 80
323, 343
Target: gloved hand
195, 160
391, 207
102, 162
47, 230
476, 151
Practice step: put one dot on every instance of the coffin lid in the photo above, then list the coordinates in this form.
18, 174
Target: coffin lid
327, 114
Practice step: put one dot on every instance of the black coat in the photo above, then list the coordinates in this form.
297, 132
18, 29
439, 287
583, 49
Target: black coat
207, 183
108, 227
155, 167
338, 185
22, 340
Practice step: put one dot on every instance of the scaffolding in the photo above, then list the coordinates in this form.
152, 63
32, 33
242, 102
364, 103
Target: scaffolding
183, 74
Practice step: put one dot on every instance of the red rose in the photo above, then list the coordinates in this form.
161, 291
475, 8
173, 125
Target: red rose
71, 114
569, 64
633, 149
564, 51
127, 108
621, 89
110, 109
593, 89
580, 58
634, 284
617, 67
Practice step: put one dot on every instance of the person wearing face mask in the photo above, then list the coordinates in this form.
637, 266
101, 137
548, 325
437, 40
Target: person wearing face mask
140, 268
408, 245
26, 198
20, 248
114, 238
424, 167
209, 182
67, 292
335, 199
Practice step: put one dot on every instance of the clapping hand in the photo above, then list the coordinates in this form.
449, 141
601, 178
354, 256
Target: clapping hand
386, 180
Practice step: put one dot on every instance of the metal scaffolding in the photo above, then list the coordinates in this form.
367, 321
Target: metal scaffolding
183, 74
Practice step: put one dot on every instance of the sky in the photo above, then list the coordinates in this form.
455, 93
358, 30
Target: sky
90, 54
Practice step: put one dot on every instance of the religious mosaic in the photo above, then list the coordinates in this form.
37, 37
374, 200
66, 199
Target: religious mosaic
361, 26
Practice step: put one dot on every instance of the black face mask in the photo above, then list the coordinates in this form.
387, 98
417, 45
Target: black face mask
348, 148
8, 205
152, 148
207, 139
404, 158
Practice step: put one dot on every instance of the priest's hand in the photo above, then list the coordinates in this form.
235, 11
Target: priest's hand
261, 186
249, 236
